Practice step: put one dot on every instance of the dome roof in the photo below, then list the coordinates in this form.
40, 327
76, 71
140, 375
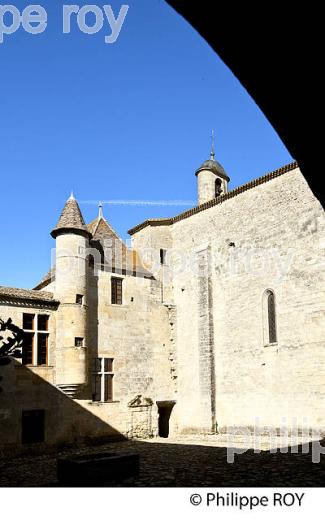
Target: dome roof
213, 166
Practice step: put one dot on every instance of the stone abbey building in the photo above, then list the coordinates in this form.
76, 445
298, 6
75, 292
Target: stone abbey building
212, 319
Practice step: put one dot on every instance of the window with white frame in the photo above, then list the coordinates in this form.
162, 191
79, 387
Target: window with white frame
102, 379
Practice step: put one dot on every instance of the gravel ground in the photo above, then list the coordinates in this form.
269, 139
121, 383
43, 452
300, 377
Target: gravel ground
185, 461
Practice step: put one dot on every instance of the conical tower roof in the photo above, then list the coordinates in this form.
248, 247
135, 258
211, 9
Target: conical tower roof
71, 220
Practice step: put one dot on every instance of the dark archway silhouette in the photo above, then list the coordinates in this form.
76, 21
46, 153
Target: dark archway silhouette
164, 410
272, 50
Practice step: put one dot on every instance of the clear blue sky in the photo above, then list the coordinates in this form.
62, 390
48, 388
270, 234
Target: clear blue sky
131, 120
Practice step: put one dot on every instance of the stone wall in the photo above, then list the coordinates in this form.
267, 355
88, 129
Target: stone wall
206, 352
194, 331
269, 237
137, 336
15, 311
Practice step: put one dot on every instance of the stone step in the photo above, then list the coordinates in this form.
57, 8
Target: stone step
70, 390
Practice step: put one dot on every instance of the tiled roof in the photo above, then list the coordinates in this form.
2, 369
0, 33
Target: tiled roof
102, 230
70, 219
215, 202
121, 257
26, 294
128, 260
47, 278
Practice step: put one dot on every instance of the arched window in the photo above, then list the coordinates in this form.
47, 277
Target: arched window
270, 335
218, 188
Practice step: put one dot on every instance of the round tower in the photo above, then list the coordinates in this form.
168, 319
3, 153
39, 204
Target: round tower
72, 241
212, 179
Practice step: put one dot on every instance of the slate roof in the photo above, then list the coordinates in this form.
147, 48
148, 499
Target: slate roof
71, 219
215, 167
13, 293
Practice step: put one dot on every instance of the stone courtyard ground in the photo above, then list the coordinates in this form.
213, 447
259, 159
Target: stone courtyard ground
186, 461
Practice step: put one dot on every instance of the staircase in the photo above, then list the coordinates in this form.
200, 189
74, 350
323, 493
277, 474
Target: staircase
71, 391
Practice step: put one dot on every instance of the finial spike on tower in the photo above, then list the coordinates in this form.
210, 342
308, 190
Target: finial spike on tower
71, 196
100, 210
212, 154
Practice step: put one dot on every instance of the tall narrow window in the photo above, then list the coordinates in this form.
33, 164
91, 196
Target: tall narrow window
271, 317
218, 187
116, 291
35, 346
270, 333
102, 379
163, 253
43, 322
28, 348
42, 349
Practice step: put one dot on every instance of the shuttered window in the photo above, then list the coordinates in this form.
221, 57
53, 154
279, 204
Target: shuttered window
116, 290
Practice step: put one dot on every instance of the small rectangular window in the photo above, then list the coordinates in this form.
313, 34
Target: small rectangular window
116, 291
97, 364
33, 425
108, 364
163, 256
42, 322
79, 299
28, 321
78, 342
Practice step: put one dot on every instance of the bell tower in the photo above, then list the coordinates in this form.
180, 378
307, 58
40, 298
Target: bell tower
212, 178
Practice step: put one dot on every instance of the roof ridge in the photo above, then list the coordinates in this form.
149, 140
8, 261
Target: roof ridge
27, 294
214, 202
98, 219
110, 227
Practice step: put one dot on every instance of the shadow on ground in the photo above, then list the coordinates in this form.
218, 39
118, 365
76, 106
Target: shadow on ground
180, 465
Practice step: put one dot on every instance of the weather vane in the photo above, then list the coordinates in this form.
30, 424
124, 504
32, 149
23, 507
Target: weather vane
212, 155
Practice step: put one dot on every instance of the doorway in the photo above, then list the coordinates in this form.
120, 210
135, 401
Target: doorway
164, 412
33, 426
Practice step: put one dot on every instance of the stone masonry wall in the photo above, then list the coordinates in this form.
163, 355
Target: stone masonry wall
196, 335
269, 237
137, 336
